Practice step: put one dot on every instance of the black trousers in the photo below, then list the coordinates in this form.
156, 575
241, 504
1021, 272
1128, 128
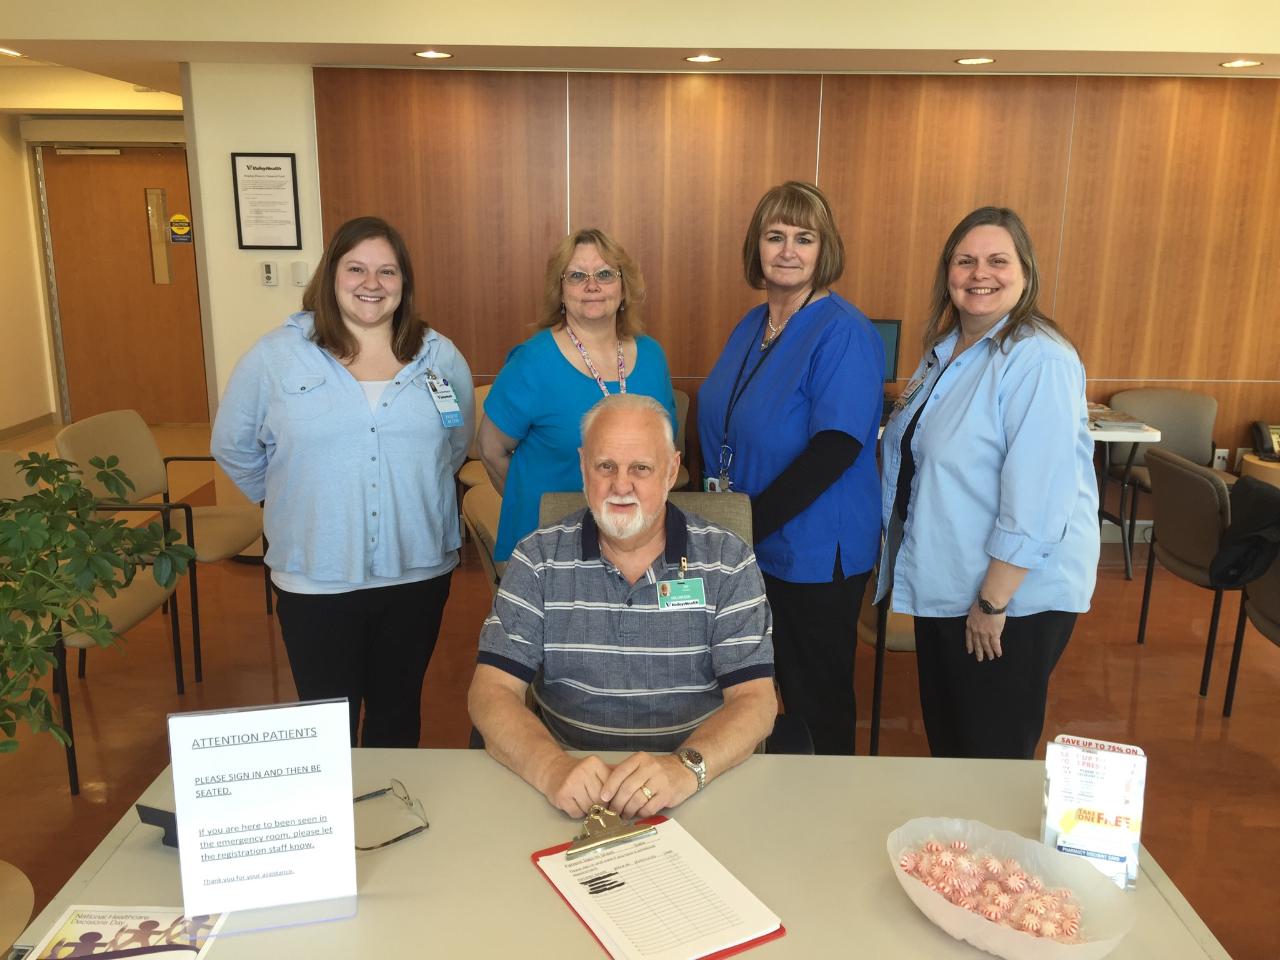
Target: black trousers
994, 708
814, 640
370, 646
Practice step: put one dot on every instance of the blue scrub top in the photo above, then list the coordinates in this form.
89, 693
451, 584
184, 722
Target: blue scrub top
539, 400
825, 372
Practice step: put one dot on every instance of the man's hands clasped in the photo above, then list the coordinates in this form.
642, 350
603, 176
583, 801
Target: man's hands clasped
640, 786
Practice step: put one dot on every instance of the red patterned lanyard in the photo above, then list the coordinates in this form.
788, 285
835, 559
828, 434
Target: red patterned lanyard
586, 358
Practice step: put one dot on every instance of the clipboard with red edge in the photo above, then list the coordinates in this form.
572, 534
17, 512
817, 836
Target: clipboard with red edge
648, 821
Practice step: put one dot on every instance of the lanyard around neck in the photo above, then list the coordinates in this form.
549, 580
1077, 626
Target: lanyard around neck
740, 385
586, 358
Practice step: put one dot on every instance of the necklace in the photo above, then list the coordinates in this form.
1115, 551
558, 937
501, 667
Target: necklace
586, 358
775, 331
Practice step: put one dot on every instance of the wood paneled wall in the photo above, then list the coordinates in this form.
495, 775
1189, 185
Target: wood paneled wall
1152, 201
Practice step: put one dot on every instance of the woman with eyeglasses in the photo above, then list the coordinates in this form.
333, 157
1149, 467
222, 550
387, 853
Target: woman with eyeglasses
589, 345
789, 416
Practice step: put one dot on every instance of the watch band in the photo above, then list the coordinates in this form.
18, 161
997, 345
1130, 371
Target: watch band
987, 607
693, 760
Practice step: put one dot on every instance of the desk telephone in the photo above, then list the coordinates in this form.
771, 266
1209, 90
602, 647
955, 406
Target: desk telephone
1266, 440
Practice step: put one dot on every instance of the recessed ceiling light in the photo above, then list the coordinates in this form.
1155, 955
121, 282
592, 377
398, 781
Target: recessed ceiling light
1236, 64
975, 61
433, 55
6, 52
703, 58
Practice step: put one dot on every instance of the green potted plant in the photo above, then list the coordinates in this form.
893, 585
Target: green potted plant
58, 548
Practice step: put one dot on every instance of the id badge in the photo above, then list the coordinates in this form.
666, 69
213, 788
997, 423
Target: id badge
909, 393
716, 484
446, 401
681, 594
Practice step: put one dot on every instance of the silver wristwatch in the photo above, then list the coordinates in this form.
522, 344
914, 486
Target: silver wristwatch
693, 760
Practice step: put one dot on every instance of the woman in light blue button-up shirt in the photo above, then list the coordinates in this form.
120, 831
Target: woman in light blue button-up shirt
989, 503
350, 422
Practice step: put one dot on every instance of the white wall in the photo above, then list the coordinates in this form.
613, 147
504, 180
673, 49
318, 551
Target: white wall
45, 89
245, 108
26, 384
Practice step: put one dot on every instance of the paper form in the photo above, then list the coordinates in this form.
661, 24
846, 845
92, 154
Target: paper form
663, 897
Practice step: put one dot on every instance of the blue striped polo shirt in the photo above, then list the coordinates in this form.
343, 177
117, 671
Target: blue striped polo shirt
610, 669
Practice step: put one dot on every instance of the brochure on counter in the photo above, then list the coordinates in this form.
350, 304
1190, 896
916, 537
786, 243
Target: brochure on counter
1093, 803
263, 801
116, 932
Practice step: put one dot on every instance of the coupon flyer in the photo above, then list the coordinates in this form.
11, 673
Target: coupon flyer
1093, 803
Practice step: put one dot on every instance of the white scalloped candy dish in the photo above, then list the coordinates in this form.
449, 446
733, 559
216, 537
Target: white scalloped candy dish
1108, 911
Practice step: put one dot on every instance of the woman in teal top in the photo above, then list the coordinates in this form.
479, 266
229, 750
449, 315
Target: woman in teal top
589, 345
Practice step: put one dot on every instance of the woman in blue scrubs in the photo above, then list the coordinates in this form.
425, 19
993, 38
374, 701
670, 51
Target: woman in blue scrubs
990, 505
789, 416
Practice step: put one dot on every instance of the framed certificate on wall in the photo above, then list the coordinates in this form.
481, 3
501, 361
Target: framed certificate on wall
266, 192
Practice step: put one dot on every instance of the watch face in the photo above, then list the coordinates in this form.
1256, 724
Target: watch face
689, 755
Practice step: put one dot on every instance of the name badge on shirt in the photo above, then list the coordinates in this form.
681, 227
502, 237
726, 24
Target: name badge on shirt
446, 402
681, 594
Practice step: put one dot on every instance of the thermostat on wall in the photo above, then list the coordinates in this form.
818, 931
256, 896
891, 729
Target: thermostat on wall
300, 273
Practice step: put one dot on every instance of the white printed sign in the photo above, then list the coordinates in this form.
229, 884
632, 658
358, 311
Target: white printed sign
263, 799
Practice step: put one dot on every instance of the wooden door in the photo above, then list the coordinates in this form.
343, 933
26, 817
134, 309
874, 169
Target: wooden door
129, 339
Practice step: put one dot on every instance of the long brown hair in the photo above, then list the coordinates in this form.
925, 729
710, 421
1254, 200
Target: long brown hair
1026, 314
331, 333
796, 204
629, 322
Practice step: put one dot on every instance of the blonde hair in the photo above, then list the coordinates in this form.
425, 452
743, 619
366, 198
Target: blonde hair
629, 322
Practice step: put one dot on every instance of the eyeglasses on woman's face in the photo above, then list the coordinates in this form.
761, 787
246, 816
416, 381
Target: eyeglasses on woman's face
604, 277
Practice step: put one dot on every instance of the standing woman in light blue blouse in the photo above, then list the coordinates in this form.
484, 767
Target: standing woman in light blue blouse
350, 422
989, 504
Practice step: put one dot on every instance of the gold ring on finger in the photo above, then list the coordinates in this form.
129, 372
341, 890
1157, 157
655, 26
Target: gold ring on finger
648, 794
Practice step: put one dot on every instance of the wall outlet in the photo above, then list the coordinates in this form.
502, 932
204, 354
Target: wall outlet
1220, 461
1240, 452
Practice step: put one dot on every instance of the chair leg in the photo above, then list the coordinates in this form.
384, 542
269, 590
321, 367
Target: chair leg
176, 634
1133, 526
195, 620
1146, 588
1127, 492
877, 689
1208, 647
80, 662
62, 688
266, 586
1235, 661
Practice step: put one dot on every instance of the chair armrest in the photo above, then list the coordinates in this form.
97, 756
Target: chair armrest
161, 508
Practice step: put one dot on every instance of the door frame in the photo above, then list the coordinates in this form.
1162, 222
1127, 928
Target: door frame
63, 413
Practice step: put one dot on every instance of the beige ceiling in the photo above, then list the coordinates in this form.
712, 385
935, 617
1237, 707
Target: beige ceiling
143, 42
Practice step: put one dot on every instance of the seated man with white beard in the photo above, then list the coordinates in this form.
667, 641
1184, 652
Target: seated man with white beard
641, 628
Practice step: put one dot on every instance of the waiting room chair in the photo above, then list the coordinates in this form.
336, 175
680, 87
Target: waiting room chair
1192, 508
1185, 420
129, 607
682, 433
481, 507
733, 512
472, 473
881, 628
215, 533
1260, 605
